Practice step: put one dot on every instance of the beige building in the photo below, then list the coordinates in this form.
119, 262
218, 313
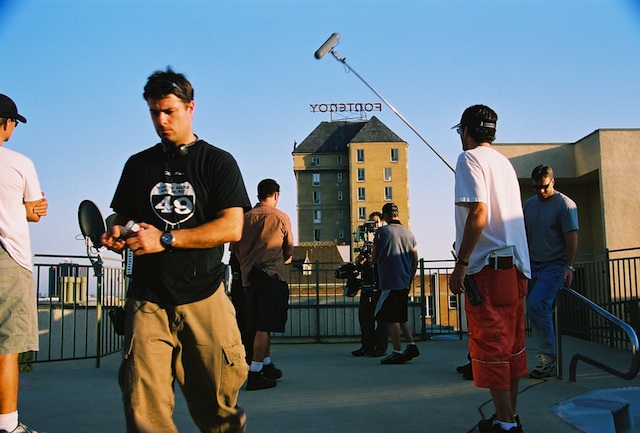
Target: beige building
599, 172
345, 170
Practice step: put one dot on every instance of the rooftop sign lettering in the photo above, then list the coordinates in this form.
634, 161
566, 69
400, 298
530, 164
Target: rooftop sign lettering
344, 107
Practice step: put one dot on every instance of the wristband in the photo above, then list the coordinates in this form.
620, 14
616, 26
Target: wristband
570, 268
462, 262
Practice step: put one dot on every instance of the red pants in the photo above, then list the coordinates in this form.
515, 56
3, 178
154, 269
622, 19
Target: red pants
496, 328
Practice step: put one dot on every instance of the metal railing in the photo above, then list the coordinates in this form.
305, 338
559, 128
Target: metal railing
319, 311
74, 292
623, 326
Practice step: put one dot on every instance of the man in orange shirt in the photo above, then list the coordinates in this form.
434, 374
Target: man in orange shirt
265, 247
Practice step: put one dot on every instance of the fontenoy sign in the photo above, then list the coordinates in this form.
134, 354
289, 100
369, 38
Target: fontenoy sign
347, 106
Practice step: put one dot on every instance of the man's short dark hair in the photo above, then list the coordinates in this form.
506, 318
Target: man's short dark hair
481, 122
266, 188
542, 172
161, 84
373, 214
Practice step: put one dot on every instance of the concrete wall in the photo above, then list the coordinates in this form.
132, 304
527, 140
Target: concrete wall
598, 173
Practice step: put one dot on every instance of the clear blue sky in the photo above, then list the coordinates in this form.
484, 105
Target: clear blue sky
554, 71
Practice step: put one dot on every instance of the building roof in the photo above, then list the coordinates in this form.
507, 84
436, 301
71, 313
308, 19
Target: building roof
334, 137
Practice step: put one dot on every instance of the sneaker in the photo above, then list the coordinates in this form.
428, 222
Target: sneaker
486, 425
410, 352
394, 358
20, 429
359, 352
497, 429
271, 371
257, 380
546, 367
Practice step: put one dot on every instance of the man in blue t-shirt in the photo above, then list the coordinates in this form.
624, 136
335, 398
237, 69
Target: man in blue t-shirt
396, 255
551, 220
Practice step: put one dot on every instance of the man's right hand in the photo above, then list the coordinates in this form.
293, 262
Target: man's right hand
111, 239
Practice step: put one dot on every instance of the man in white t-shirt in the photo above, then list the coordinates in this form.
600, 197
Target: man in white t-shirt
21, 201
493, 256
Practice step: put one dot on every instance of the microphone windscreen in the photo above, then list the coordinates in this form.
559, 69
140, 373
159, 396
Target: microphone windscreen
328, 45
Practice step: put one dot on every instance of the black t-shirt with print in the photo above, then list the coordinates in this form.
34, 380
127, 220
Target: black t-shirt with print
173, 191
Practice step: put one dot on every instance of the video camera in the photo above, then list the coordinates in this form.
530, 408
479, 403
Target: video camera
365, 234
362, 274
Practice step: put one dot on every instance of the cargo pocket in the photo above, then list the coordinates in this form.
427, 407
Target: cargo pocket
234, 368
504, 290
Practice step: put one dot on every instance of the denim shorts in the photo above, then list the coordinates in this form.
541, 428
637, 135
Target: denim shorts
18, 310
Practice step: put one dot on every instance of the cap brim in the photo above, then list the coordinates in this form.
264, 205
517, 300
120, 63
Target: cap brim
21, 118
456, 126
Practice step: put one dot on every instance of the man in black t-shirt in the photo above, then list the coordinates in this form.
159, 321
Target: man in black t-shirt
188, 199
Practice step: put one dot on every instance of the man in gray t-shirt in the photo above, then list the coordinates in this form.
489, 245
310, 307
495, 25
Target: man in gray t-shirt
396, 256
551, 220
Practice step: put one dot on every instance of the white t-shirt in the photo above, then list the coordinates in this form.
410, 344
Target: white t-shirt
486, 176
18, 184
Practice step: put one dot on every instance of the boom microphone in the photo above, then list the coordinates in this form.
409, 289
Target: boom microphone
328, 45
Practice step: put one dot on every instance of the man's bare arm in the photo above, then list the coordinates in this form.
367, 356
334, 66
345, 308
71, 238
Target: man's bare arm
36, 209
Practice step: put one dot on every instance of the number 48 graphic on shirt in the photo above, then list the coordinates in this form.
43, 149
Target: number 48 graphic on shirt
175, 199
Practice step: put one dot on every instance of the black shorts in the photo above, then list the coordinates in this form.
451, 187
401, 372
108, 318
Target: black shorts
267, 302
392, 306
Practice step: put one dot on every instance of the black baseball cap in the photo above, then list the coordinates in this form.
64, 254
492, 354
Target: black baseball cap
8, 109
475, 116
390, 208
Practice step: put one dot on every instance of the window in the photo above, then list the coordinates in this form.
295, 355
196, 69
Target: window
316, 179
387, 174
339, 177
388, 193
361, 175
339, 195
317, 216
317, 235
361, 194
453, 302
394, 155
315, 160
339, 159
362, 213
340, 233
360, 155
317, 197
340, 214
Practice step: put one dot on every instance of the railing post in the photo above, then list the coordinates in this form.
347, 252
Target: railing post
423, 302
317, 269
558, 332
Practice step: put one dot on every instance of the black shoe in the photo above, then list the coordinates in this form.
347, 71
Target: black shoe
359, 352
271, 371
394, 358
486, 425
376, 353
410, 352
257, 380
461, 369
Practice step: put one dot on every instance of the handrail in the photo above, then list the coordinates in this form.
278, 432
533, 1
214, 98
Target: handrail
631, 334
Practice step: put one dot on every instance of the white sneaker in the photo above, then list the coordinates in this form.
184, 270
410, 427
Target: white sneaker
20, 429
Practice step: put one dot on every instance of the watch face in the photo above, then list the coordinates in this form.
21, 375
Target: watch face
166, 240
